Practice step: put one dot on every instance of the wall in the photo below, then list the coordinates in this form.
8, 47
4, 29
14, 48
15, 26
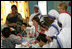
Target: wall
31, 5
50, 5
54, 4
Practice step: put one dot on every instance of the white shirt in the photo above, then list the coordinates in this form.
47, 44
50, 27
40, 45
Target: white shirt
46, 46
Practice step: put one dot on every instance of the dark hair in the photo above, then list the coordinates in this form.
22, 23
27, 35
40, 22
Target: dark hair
48, 21
6, 32
43, 39
41, 36
24, 24
14, 6
36, 19
59, 24
42, 24
14, 32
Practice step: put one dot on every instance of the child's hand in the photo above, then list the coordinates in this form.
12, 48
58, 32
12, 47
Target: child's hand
49, 39
35, 41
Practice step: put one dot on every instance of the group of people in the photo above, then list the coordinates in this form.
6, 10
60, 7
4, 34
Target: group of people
57, 29
53, 33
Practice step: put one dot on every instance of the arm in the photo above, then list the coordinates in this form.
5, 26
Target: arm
20, 19
49, 39
35, 31
7, 21
10, 24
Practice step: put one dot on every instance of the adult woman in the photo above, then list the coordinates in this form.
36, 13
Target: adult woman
14, 18
36, 22
65, 34
53, 16
35, 14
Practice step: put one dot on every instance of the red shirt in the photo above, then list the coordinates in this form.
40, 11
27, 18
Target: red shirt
68, 13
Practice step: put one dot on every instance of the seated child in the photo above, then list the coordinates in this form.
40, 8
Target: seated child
42, 41
52, 42
42, 27
38, 38
46, 42
23, 33
7, 41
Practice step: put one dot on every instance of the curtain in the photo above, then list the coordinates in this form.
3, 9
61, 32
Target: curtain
22, 7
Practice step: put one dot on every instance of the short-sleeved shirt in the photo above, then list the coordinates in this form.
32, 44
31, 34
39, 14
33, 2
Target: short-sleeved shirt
14, 18
10, 42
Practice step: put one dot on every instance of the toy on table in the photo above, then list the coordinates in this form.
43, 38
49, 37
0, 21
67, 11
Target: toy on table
25, 43
31, 41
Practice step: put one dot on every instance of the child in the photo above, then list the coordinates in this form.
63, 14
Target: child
42, 41
23, 33
62, 7
36, 22
38, 38
44, 25
8, 42
52, 42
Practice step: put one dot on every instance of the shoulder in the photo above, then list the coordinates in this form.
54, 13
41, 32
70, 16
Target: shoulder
19, 14
9, 14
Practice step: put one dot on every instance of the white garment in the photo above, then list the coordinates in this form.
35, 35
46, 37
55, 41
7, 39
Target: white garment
65, 34
30, 20
32, 15
32, 29
53, 13
52, 31
46, 46
54, 44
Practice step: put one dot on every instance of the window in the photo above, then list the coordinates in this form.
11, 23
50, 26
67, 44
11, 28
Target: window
43, 7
